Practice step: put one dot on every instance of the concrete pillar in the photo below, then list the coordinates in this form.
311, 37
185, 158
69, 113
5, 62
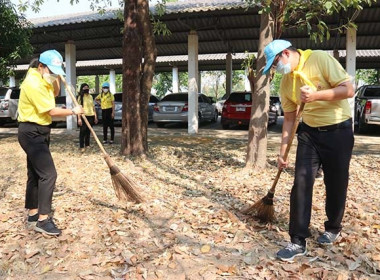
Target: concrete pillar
247, 85
351, 61
97, 84
175, 79
193, 82
228, 74
71, 78
12, 81
112, 81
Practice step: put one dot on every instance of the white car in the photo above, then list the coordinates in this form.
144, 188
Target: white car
9, 97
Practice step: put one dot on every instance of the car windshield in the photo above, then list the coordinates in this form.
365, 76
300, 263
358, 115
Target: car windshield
153, 99
175, 97
372, 92
240, 97
60, 100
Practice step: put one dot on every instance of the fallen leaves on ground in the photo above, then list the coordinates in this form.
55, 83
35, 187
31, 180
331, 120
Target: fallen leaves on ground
190, 226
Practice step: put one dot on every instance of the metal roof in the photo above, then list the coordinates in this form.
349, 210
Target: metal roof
222, 26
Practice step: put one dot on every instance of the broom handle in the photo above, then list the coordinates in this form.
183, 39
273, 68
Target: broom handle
290, 141
84, 117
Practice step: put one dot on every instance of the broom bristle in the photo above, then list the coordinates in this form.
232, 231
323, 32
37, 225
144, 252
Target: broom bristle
262, 209
125, 187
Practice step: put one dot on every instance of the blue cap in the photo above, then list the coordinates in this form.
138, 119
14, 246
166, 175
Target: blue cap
273, 49
53, 60
106, 84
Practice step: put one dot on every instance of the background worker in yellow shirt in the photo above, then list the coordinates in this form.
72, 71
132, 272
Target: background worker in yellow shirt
325, 136
87, 102
107, 103
36, 107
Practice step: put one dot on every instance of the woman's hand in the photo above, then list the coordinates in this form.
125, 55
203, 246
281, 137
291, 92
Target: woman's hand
281, 163
77, 110
80, 121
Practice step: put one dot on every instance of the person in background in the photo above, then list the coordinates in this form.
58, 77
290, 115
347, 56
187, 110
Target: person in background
36, 107
325, 136
87, 102
107, 104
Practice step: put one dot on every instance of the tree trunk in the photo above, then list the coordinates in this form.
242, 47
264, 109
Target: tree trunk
150, 55
260, 86
138, 42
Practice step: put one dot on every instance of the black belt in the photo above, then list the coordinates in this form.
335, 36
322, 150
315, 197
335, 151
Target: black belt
344, 124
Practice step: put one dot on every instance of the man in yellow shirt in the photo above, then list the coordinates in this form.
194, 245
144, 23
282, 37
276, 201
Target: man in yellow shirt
107, 103
325, 136
36, 107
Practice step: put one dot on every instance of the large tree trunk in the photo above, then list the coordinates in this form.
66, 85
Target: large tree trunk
138, 42
260, 86
150, 55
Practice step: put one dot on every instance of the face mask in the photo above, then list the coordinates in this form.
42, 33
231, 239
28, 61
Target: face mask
283, 69
50, 78
86, 90
105, 90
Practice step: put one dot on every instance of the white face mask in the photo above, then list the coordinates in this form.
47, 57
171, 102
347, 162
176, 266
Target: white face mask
283, 69
50, 78
105, 90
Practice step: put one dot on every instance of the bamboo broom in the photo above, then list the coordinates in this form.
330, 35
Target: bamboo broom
264, 209
124, 186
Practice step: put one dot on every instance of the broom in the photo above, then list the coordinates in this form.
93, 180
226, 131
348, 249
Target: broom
124, 186
264, 208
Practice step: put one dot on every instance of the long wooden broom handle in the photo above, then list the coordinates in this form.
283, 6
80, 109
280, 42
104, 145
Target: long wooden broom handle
84, 117
290, 141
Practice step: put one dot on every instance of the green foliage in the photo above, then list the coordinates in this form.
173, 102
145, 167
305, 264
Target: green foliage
312, 14
90, 80
14, 33
368, 76
163, 83
275, 85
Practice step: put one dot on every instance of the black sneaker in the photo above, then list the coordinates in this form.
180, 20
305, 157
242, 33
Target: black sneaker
327, 238
110, 142
290, 251
32, 221
47, 226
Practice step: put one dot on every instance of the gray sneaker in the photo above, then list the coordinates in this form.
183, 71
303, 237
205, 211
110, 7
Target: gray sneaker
327, 238
48, 227
291, 251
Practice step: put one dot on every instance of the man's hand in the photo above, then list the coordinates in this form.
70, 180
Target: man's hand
308, 94
77, 110
281, 164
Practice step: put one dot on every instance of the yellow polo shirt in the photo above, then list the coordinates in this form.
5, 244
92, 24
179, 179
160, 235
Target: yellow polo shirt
106, 100
88, 104
36, 99
324, 72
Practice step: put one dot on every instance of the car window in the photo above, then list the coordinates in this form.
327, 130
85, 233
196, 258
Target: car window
15, 94
206, 99
3, 92
60, 100
118, 97
175, 97
372, 92
153, 99
240, 97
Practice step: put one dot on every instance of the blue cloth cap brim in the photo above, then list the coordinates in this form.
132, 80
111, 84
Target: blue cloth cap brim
273, 49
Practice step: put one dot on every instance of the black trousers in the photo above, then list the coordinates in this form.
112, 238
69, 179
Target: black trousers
332, 149
34, 140
84, 132
108, 122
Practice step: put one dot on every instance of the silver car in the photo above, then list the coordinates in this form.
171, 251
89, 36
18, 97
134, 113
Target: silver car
173, 108
9, 104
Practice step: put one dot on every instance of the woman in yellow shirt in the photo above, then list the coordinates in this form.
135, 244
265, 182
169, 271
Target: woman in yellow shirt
107, 103
87, 102
36, 107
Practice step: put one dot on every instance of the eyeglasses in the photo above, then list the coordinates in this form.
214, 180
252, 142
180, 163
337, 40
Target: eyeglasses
276, 60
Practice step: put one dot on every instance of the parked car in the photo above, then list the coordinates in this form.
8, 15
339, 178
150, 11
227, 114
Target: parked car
367, 107
173, 108
237, 110
152, 101
118, 107
275, 100
9, 97
60, 101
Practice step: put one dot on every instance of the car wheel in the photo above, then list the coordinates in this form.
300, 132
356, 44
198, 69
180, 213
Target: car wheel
215, 118
160, 125
362, 126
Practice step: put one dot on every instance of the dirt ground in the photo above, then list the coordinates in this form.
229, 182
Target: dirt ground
190, 225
